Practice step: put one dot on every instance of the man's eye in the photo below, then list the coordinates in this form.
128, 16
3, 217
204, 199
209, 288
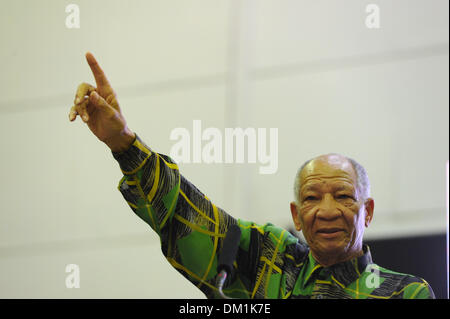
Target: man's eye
344, 196
311, 198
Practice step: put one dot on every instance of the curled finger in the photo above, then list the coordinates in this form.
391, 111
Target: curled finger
73, 113
83, 90
83, 111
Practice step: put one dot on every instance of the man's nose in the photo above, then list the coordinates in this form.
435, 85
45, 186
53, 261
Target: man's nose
328, 208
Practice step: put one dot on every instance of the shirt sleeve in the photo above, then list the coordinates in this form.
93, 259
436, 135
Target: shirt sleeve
419, 290
191, 228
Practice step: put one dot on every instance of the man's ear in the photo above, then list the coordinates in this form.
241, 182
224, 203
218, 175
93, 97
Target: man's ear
295, 216
369, 207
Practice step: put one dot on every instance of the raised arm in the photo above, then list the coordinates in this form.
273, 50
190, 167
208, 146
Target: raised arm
190, 226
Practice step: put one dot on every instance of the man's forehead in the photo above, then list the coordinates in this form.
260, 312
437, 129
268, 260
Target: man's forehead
331, 166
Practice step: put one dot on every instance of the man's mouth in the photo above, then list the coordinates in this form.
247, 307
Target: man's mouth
329, 232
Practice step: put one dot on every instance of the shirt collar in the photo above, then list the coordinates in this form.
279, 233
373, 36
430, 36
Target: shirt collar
345, 272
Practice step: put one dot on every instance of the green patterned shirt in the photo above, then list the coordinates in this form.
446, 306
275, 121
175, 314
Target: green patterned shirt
271, 263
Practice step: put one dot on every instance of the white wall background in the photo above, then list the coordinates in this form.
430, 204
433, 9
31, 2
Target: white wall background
312, 69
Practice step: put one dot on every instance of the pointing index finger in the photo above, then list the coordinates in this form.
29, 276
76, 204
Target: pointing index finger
99, 75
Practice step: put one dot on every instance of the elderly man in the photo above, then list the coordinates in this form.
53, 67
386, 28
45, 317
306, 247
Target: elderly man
332, 207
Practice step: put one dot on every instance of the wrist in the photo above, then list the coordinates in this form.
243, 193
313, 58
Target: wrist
122, 142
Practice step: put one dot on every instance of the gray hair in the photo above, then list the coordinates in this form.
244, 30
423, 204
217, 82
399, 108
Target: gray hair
362, 178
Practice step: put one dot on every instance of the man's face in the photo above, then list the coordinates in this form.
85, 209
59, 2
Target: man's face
331, 213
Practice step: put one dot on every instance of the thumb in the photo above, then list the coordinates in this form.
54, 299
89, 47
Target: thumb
99, 102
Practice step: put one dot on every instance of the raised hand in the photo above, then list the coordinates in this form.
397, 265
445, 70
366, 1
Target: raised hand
99, 109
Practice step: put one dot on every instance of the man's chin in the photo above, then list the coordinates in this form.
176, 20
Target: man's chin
332, 248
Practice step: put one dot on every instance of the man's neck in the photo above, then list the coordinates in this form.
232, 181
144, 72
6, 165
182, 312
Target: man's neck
329, 260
